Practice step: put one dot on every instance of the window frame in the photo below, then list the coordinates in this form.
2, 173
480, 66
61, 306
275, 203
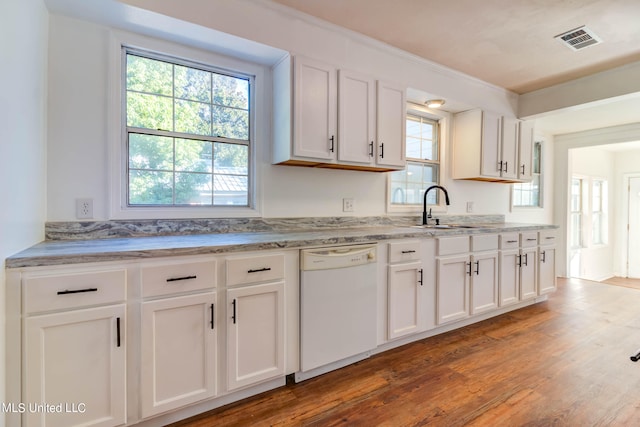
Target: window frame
539, 175
601, 214
443, 118
117, 132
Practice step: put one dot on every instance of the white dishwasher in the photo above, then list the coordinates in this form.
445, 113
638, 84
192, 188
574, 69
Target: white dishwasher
338, 305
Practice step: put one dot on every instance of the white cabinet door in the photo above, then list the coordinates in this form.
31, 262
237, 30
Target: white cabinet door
528, 282
525, 165
547, 269
405, 311
452, 294
391, 125
484, 282
356, 117
255, 334
490, 163
509, 155
178, 352
76, 359
509, 277
315, 103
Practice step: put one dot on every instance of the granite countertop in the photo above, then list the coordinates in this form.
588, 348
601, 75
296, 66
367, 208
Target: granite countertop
58, 252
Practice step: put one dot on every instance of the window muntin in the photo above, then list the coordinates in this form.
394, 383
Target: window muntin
187, 133
599, 229
576, 214
528, 194
423, 167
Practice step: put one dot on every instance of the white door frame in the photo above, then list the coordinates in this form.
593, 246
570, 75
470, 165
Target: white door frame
624, 235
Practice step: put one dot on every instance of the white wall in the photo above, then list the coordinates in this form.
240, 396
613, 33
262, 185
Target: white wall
597, 262
78, 144
23, 43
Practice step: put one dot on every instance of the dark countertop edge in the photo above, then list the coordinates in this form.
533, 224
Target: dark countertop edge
52, 253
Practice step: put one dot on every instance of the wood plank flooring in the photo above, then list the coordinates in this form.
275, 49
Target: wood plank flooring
563, 362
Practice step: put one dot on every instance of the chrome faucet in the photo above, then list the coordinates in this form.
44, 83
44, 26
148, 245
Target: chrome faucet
425, 216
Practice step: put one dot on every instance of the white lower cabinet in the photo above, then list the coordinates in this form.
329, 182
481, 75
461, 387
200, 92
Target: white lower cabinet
452, 288
75, 358
178, 352
484, 282
467, 276
547, 262
255, 334
518, 272
405, 282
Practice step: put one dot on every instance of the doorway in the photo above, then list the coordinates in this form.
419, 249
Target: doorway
633, 229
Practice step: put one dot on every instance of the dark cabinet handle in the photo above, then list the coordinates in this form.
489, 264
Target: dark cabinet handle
544, 256
118, 332
522, 169
512, 241
332, 139
477, 268
469, 265
371, 149
526, 259
506, 167
421, 271
213, 316
532, 239
233, 317
500, 165
177, 279
519, 262
409, 252
77, 291
382, 150
259, 270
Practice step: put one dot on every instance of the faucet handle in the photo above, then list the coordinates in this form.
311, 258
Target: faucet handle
429, 215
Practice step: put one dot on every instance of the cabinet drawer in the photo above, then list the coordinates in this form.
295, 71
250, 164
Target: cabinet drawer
529, 239
69, 291
453, 245
509, 241
253, 269
404, 251
178, 277
547, 237
484, 242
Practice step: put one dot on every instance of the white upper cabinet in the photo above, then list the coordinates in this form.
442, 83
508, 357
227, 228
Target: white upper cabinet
340, 118
487, 147
314, 107
356, 120
391, 121
525, 166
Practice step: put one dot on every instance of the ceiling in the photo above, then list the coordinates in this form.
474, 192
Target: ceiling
509, 43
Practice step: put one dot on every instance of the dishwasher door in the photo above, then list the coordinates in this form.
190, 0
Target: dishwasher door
338, 295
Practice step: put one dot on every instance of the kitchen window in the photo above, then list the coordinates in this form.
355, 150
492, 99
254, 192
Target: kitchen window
188, 133
407, 186
576, 214
529, 194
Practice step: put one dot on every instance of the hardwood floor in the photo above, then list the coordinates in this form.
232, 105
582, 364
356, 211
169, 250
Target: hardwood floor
623, 281
562, 362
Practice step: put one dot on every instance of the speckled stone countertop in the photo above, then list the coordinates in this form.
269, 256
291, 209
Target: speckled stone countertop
145, 246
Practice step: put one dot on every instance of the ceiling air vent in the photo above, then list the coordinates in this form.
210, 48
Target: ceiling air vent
578, 38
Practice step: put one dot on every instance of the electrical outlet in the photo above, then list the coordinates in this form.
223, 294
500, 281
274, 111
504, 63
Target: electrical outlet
469, 207
84, 208
348, 205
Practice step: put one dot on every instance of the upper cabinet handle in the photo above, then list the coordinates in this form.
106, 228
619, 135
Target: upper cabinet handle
371, 149
382, 150
332, 139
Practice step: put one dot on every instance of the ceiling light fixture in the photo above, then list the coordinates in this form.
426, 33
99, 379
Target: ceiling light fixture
434, 103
